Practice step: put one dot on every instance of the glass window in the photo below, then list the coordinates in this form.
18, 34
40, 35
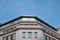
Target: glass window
35, 35
24, 35
31, 19
9, 38
4, 38
29, 35
25, 19
45, 37
49, 38
28, 19
14, 36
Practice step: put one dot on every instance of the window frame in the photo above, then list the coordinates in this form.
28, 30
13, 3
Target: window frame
29, 35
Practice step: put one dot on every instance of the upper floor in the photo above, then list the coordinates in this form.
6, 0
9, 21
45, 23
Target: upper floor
28, 22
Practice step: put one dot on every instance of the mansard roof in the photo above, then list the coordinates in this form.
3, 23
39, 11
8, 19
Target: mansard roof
28, 17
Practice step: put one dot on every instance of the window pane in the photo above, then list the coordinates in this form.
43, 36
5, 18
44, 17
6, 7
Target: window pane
35, 35
14, 36
9, 38
24, 35
28, 19
4, 38
49, 38
25, 19
29, 34
32, 19
45, 37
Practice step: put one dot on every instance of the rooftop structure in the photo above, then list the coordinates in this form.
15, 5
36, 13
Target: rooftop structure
28, 28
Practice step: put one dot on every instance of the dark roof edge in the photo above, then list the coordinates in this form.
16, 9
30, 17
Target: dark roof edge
10, 21
16, 19
46, 23
29, 17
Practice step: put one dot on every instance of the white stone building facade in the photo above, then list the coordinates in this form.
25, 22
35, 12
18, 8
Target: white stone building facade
28, 28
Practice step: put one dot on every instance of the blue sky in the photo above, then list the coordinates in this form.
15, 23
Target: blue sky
47, 10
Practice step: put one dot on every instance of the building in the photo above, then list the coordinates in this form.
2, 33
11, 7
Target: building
58, 30
28, 28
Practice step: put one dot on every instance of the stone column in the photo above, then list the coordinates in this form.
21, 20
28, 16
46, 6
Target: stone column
18, 35
41, 35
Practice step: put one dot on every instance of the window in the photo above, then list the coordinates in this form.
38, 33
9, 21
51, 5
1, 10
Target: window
29, 35
4, 38
49, 38
28, 19
24, 35
32, 19
14, 36
35, 35
9, 38
25, 19
46, 37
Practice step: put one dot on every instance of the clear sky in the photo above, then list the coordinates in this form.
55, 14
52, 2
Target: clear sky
47, 10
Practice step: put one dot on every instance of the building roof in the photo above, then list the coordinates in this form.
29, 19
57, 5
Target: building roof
29, 17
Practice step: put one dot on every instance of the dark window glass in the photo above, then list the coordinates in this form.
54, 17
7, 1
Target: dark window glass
35, 35
29, 35
23, 34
